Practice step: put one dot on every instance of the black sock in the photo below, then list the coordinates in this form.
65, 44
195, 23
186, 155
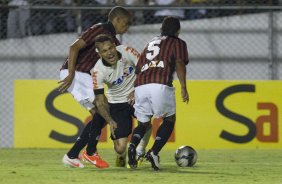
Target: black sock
137, 135
81, 141
162, 136
97, 125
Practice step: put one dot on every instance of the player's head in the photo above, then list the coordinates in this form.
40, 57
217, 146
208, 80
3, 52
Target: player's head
170, 26
106, 48
120, 18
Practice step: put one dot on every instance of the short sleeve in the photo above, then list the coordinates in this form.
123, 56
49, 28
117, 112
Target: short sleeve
132, 55
181, 51
98, 79
89, 35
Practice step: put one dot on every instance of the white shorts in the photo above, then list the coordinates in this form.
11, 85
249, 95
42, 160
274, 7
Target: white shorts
81, 88
156, 100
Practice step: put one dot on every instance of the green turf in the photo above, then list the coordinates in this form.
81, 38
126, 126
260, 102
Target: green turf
40, 166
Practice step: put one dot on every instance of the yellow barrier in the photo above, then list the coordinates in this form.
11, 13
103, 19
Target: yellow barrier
221, 114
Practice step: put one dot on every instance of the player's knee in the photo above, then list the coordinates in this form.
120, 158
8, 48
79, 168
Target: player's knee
169, 119
120, 149
145, 125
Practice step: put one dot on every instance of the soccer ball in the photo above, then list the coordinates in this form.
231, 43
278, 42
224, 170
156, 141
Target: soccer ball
185, 156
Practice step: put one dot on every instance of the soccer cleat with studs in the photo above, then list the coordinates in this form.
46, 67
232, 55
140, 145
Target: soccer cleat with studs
72, 162
95, 160
153, 159
132, 162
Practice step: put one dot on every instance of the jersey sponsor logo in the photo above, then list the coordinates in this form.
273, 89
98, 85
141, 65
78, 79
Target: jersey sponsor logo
126, 72
152, 64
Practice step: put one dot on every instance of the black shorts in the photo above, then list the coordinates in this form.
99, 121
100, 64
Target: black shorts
122, 114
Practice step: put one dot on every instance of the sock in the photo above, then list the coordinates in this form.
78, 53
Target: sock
141, 148
81, 142
98, 123
137, 135
162, 136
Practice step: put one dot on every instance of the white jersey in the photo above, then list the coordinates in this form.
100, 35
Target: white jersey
119, 78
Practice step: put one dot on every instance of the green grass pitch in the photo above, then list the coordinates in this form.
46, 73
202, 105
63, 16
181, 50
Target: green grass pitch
40, 166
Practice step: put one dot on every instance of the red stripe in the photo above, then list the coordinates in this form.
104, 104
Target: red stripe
169, 48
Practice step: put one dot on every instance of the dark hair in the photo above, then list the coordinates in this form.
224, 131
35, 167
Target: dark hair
118, 11
170, 26
102, 38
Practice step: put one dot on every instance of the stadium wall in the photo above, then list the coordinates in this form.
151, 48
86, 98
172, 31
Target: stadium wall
230, 48
221, 114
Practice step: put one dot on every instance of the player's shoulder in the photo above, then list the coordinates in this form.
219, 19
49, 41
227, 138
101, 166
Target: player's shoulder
93, 27
99, 65
179, 41
123, 49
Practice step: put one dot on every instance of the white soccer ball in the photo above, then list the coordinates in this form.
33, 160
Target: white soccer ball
185, 156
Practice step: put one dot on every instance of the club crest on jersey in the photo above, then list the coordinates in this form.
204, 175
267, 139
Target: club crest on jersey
126, 72
152, 64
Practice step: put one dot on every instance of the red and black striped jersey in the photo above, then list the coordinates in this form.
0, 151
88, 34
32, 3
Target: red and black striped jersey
157, 61
87, 57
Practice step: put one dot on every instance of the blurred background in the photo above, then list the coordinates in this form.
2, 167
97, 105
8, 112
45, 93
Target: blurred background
227, 39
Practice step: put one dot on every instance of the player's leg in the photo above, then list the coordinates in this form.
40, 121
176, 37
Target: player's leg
141, 148
120, 146
143, 114
137, 135
163, 105
81, 142
95, 131
82, 91
162, 136
71, 158
121, 113
91, 154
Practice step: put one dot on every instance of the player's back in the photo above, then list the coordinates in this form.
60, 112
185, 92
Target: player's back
157, 61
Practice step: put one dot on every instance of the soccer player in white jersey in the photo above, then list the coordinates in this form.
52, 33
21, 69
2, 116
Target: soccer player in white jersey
76, 79
116, 69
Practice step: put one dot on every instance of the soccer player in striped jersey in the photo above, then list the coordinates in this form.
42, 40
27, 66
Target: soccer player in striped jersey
116, 69
76, 79
154, 92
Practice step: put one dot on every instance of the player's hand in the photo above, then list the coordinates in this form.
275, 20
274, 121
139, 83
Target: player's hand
131, 98
113, 127
185, 95
65, 83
